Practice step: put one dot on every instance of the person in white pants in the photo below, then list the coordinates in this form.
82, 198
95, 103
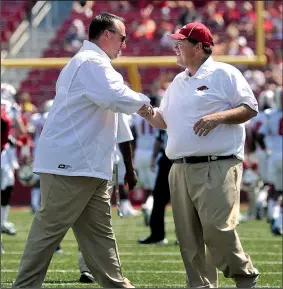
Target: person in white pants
274, 128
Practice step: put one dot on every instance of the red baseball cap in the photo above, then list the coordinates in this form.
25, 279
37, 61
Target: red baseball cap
195, 31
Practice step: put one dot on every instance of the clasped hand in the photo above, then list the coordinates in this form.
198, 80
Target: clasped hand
146, 111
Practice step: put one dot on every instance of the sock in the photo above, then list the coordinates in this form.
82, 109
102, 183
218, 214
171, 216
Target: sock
4, 214
270, 206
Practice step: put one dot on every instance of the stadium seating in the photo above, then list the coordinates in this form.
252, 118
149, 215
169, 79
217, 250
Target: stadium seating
12, 13
41, 83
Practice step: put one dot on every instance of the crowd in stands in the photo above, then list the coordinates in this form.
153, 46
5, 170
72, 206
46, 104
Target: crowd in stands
233, 24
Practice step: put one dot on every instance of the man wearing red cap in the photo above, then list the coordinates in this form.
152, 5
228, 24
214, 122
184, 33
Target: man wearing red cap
204, 111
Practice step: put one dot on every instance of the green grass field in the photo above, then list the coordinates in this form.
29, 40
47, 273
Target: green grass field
145, 265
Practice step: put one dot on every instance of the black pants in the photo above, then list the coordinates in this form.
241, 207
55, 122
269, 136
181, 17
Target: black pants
6, 195
161, 197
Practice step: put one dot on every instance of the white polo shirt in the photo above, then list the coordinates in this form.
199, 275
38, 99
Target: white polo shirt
214, 88
79, 136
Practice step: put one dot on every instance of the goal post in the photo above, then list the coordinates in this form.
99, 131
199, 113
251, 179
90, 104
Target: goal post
132, 64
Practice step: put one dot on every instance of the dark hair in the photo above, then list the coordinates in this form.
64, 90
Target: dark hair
100, 23
206, 49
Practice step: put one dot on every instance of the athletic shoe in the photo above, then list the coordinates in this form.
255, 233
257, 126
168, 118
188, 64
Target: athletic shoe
149, 240
58, 250
8, 228
86, 277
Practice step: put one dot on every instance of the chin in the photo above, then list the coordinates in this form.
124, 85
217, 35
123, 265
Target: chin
180, 63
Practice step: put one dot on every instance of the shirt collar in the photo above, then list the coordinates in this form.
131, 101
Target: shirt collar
87, 45
204, 69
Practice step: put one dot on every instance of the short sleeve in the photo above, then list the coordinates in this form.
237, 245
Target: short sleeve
124, 131
243, 93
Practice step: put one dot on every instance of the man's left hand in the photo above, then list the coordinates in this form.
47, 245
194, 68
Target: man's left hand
206, 124
131, 179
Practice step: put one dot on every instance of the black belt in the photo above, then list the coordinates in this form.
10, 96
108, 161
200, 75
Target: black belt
206, 159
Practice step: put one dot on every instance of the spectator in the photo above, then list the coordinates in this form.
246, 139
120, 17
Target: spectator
83, 6
232, 14
147, 27
75, 36
190, 14
213, 16
120, 6
166, 28
244, 49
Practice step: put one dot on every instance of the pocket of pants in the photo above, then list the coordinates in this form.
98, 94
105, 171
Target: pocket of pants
46, 182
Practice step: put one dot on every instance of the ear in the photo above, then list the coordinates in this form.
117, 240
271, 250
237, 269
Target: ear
106, 34
199, 46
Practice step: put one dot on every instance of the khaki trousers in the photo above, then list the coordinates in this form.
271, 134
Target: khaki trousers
205, 200
82, 203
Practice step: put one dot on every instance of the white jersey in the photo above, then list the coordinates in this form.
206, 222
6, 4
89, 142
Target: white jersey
274, 129
36, 124
145, 133
12, 110
257, 122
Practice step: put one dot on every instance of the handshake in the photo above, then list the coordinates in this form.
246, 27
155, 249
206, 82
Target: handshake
146, 111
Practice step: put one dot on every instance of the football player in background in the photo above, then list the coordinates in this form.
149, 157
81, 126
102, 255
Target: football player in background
273, 127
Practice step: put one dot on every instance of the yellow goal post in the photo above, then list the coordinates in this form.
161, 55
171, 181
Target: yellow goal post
132, 64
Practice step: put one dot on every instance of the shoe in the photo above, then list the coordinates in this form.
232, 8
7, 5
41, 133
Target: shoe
127, 209
242, 218
248, 281
58, 250
150, 240
8, 228
86, 277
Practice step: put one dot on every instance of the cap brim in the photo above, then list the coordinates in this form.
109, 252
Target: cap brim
178, 36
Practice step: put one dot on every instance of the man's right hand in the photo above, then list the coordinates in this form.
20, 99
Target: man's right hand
146, 111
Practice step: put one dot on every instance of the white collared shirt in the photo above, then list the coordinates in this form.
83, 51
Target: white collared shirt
214, 88
79, 136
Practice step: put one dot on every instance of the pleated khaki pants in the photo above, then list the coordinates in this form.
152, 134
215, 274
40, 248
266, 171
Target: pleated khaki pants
82, 203
205, 200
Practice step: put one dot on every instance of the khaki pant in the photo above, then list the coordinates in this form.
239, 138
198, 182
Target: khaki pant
81, 203
205, 200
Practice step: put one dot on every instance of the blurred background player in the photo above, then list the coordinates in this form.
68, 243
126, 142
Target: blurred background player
144, 139
266, 103
34, 128
126, 207
161, 192
274, 128
9, 160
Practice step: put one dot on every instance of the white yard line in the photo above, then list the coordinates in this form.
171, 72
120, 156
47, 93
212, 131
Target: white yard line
129, 253
134, 271
137, 236
60, 261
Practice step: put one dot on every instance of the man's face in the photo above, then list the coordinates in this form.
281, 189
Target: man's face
116, 40
186, 52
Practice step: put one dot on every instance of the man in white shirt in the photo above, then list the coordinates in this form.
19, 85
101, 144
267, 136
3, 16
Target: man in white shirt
74, 158
203, 111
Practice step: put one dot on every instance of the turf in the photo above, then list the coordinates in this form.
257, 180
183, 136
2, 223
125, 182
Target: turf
145, 265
